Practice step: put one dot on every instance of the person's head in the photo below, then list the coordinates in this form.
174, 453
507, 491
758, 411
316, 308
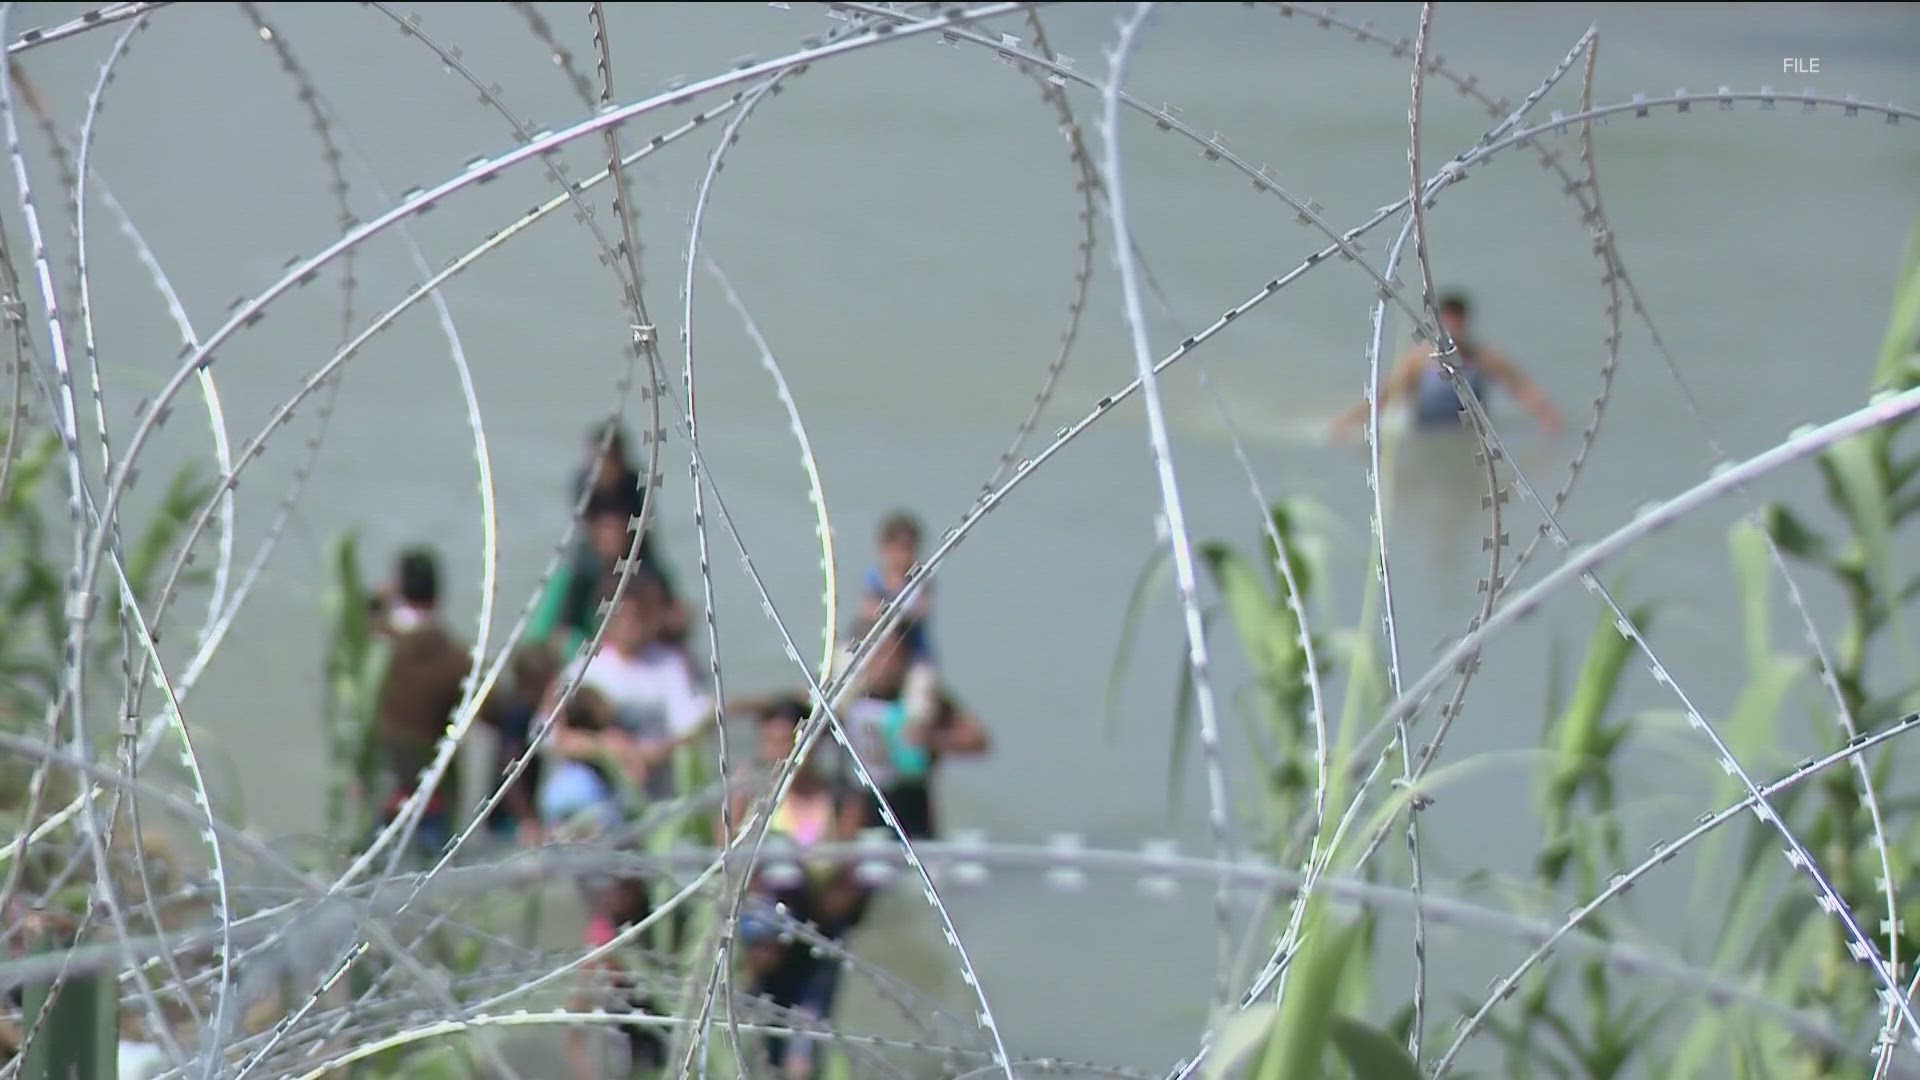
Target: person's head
639, 616
886, 671
626, 899
899, 541
419, 578
1454, 310
607, 444
535, 666
587, 710
607, 529
779, 725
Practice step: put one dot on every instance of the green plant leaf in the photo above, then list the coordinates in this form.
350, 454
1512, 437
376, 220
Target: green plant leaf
1753, 574
1371, 1053
1862, 489
1903, 326
81, 1036
435, 1063
1302, 526
355, 666
1152, 577
29, 469
1238, 1038
1752, 730
1301, 1030
1793, 536
1702, 1043
1261, 621
1582, 742
1182, 732
167, 525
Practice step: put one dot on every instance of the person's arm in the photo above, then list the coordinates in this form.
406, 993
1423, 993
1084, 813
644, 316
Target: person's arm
567, 741
571, 742
1523, 391
550, 699
1406, 371
636, 758
956, 731
962, 732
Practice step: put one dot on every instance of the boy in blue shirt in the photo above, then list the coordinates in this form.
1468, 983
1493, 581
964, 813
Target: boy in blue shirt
899, 550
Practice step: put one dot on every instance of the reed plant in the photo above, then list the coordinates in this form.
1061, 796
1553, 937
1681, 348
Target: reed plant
51, 895
1579, 1019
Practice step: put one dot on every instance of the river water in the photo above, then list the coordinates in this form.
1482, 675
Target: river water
902, 224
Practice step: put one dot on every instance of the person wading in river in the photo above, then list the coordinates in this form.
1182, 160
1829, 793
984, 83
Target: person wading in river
1435, 405
569, 610
900, 748
826, 893
612, 486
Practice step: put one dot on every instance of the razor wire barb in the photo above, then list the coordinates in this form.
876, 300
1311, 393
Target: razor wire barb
364, 960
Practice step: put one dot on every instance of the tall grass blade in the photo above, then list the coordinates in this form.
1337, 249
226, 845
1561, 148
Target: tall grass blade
1303, 1026
1371, 1053
1582, 742
79, 1039
1153, 577
1903, 327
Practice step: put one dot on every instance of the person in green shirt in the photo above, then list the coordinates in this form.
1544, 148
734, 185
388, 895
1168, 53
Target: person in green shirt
568, 611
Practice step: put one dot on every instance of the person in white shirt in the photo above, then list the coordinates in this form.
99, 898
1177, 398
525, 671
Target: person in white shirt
657, 699
654, 703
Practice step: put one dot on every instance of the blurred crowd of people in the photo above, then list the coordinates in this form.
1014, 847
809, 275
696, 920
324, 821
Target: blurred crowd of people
628, 712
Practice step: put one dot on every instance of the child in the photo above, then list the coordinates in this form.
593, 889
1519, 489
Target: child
825, 893
615, 907
658, 700
901, 749
581, 790
899, 550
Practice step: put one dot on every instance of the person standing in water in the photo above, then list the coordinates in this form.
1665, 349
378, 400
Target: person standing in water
659, 701
1418, 373
608, 473
900, 747
885, 581
569, 610
424, 684
824, 892
611, 483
